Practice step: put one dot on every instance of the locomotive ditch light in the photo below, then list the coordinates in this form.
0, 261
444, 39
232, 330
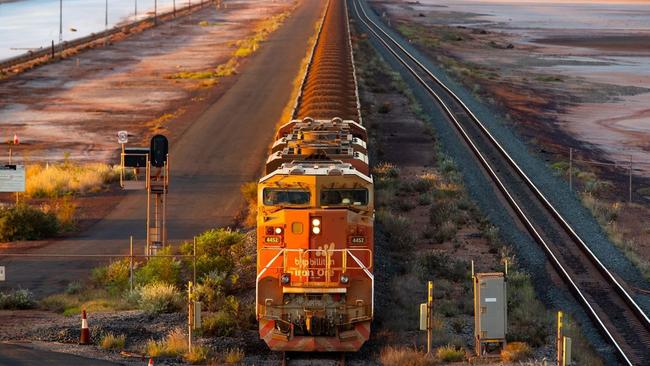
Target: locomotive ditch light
345, 279
315, 222
315, 230
285, 279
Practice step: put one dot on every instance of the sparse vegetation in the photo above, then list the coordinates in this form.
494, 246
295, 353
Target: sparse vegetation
450, 353
197, 355
173, 345
16, 300
67, 178
159, 297
221, 323
111, 341
234, 356
403, 356
515, 352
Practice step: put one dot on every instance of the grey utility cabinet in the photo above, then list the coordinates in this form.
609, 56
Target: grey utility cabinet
490, 311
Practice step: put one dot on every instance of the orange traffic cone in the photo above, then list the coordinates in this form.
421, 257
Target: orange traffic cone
150, 361
16, 140
85, 333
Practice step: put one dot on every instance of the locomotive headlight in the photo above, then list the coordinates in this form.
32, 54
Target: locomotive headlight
315, 230
315, 222
285, 278
345, 279
278, 230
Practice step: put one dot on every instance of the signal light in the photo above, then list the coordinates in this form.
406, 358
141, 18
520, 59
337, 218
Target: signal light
158, 150
315, 230
278, 230
315, 222
285, 279
315, 225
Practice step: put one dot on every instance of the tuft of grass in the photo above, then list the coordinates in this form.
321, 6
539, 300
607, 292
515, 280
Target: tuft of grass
450, 353
198, 354
173, 345
403, 356
249, 192
516, 351
111, 341
55, 180
528, 320
234, 356
397, 229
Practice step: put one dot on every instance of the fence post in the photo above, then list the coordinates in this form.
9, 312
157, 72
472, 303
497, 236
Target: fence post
630, 191
131, 264
429, 316
559, 340
194, 260
571, 169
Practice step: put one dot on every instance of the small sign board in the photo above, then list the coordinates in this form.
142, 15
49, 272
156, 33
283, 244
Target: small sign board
12, 178
122, 137
2, 273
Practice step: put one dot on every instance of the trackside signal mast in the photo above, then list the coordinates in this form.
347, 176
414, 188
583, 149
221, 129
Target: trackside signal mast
148, 168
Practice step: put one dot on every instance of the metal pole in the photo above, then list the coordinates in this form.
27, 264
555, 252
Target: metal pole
194, 260
10, 155
570, 169
136, 9
131, 263
106, 16
52, 48
429, 316
189, 317
630, 191
558, 340
60, 22
155, 12
174, 8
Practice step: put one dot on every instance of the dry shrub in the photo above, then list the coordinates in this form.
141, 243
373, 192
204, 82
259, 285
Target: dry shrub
111, 341
234, 356
173, 345
56, 180
515, 351
450, 353
159, 297
403, 356
249, 192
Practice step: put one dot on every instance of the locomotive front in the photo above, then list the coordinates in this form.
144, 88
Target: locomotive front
315, 236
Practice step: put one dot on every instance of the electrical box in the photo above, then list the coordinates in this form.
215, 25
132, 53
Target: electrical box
423, 316
490, 309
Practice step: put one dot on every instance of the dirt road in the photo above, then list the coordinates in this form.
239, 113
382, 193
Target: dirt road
223, 148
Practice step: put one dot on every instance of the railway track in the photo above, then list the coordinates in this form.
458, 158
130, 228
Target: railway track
605, 298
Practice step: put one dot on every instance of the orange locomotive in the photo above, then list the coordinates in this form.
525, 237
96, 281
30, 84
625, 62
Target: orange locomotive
315, 211
315, 236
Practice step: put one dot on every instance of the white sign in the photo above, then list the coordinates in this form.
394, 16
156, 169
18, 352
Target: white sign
490, 299
12, 178
122, 137
2, 273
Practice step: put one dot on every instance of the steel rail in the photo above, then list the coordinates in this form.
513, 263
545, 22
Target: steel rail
608, 276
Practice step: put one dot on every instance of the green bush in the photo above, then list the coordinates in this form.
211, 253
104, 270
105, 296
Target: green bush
159, 297
397, 229
113, 277
17, 299
214, 250
24, 222
159, 269
221, 323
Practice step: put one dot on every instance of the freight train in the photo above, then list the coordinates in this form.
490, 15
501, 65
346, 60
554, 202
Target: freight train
315, 211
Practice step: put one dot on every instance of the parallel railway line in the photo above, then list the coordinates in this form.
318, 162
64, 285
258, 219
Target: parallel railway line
607, 300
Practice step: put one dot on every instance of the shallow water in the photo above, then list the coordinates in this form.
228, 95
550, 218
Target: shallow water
553, 14
31, 24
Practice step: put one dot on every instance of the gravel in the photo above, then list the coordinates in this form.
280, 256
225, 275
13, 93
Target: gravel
529, 254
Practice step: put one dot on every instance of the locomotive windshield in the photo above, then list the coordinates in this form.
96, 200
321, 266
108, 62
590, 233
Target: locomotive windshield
274, 197
344, 197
